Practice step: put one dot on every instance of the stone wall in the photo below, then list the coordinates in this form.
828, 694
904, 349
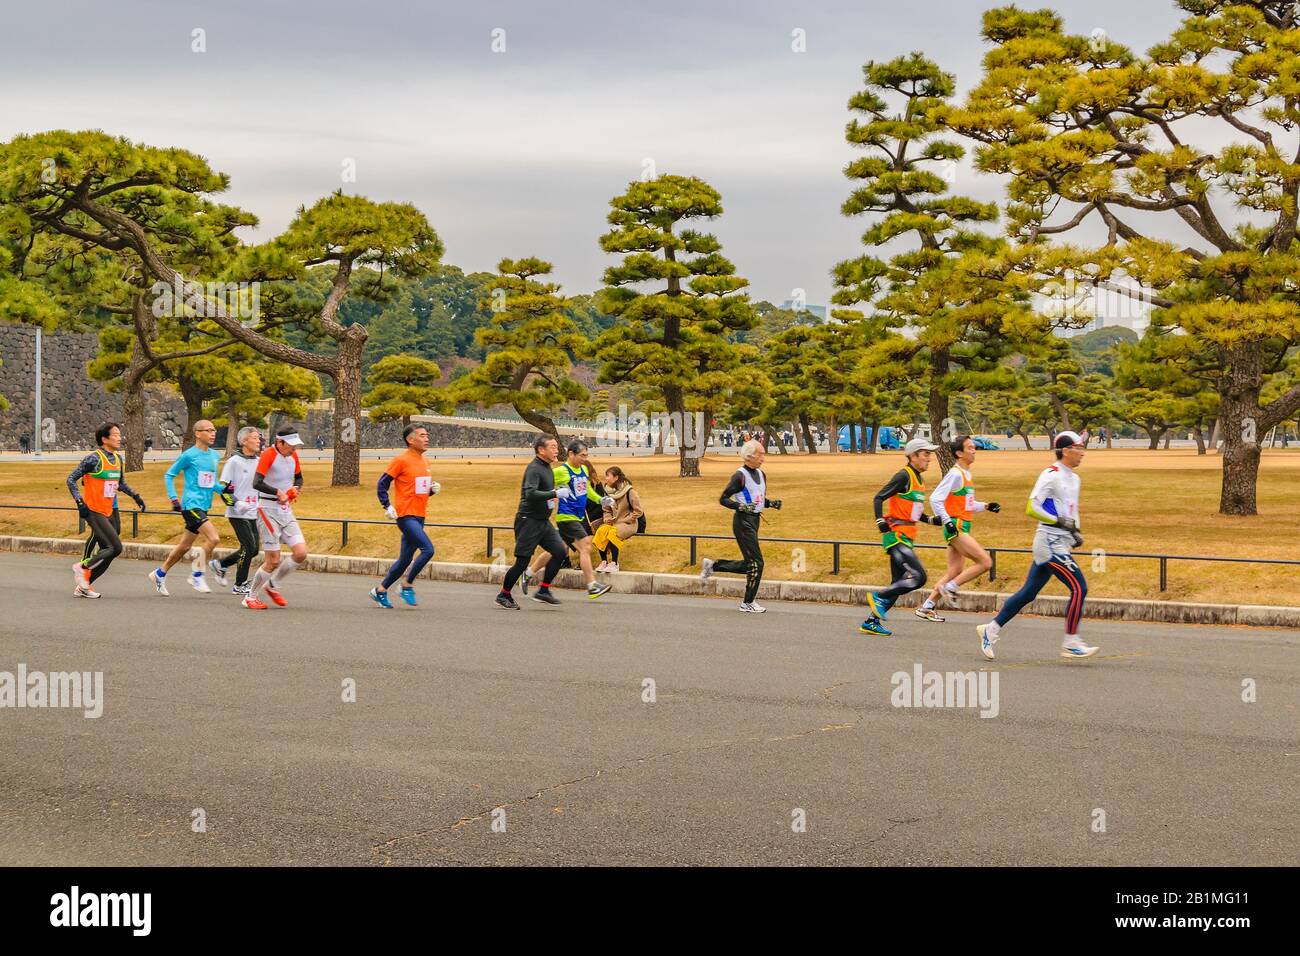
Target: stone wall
72, 404
320, 423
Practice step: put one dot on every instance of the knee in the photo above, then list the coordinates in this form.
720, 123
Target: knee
920, 577
115, 549
757, 565
985, 564
426, 548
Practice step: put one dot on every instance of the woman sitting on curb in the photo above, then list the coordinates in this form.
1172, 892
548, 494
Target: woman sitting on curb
623, 518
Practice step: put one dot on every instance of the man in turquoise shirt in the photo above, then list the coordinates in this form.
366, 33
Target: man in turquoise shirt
199, 466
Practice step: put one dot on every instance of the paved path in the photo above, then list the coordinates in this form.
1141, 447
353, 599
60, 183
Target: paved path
462, 708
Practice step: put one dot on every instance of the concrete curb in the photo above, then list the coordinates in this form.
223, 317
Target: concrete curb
641, 582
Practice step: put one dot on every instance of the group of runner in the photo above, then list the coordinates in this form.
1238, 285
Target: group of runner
258, 487
553, 517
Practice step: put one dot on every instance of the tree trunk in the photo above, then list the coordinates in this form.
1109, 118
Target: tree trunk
1025, 435
875, 437
798, 438
193, 409
544, 425
862, 436
688, 465
1154, 435
1213, 440
942, 430
1239, 419
780, 443
133, 424
1169, 434
834, 446
1110, 437
232, 428
853, 438
347, 409
806, 427
1199, 434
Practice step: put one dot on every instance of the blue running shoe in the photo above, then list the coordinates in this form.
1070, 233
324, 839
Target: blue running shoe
408, 595
872, 625
380, 598
877, 606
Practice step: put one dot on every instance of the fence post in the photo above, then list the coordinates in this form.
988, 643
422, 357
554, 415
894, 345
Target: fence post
993, 566
1164, 574
693, 551
835, 558
489, 548
135, 524
345, 534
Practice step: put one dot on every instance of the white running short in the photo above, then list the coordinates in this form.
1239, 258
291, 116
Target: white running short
276, 524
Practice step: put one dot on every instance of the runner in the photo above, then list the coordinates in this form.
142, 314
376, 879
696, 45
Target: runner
1055, 503
573, 490
537, 497
953, 502
101, 475
746, 495
408, 476
905, 494
277, 480
241, 509
198, 464
623, 517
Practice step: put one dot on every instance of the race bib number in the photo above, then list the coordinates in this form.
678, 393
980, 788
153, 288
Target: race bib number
422, 483
250, 501
110, 489
207, 479
284, 507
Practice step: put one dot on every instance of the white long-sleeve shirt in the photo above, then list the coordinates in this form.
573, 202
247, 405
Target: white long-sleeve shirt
239, 470
1055, 495
954, 480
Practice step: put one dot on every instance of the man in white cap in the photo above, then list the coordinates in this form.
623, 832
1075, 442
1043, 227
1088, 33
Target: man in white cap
746, 495
899, 508
1055, 503
277, 481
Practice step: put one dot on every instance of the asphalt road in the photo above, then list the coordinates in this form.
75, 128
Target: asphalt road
462, 708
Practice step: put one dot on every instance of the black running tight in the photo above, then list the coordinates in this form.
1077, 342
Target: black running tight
104, 543
246, 532
745, 528
906, 574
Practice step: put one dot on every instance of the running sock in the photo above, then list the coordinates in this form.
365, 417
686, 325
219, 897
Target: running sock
286, 568
927, 605
259, 581
160, 572
993, 628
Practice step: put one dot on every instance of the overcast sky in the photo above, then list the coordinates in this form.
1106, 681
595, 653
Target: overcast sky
518, 152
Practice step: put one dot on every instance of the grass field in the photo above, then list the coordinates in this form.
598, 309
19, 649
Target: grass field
1133, 501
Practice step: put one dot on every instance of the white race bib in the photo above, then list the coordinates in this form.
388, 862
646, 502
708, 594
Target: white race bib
422, 483
284, 507
207, 479
110, 489
580, 486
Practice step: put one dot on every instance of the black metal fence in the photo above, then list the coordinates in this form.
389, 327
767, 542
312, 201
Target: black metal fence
694, 539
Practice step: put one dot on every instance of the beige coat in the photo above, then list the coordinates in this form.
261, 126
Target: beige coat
626, 510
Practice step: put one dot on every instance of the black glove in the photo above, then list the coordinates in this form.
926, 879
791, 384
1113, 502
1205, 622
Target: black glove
176, 506
950, 527
993, 506
139, 503
883, 525
1078, 538
774, 503
1067, 524
83, 510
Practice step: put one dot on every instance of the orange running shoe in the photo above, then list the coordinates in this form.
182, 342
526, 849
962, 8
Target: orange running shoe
253, 604
275, 596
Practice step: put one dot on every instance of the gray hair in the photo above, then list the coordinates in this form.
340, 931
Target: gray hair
750, 448
245, 432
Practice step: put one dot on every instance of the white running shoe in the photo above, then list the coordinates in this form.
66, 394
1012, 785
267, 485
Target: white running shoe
604, 566
198, 583
613, 567
986, 642
1076, 648
929, 614
84, 592
706, 570
219, 572
948, 596
81, 575
159, 582
753, 607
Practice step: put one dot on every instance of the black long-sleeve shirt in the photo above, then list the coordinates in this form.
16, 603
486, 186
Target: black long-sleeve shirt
88, 466
537, 490
737, 484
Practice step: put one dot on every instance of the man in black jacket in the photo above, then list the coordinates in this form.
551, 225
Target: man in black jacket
537, 498
746, 495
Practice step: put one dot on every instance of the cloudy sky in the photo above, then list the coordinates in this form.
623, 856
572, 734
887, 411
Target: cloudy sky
516, 152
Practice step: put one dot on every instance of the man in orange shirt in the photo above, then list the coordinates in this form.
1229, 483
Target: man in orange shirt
408, 477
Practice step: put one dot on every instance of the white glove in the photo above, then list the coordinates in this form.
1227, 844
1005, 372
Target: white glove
607, 502
434, 487
564, 493
391, 512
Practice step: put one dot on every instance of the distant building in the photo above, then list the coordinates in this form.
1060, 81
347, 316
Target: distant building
819, 311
